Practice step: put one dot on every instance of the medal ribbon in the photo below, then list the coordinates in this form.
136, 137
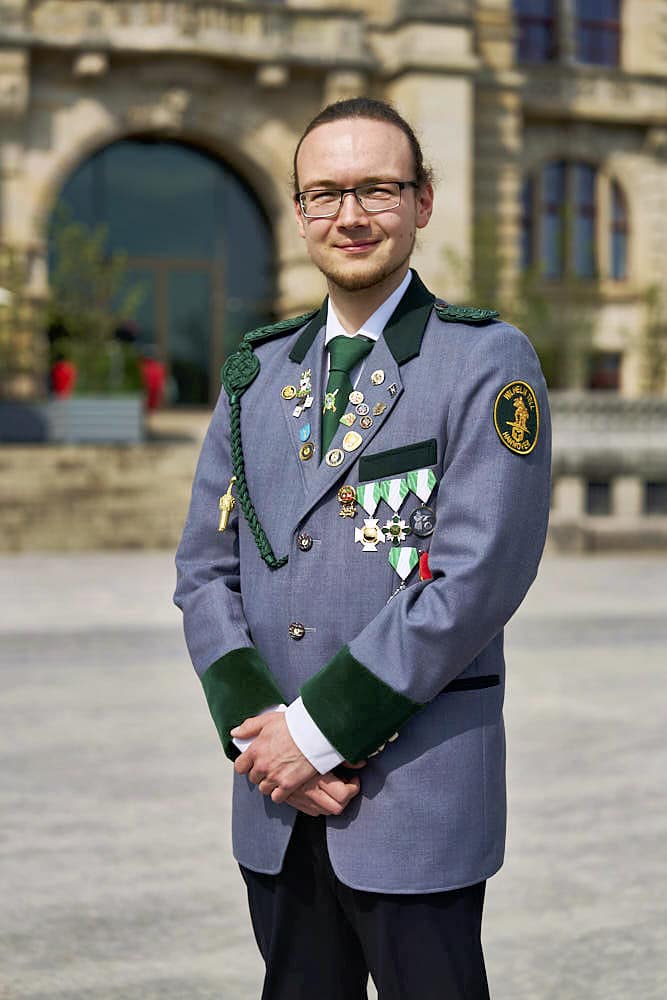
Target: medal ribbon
421, 483
368, 497
394, 492
403, 560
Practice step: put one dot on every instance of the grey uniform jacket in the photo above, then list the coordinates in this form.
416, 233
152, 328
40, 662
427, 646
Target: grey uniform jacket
463, 397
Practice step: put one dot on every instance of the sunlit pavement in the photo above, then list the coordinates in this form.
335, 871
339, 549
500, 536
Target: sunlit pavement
117, 881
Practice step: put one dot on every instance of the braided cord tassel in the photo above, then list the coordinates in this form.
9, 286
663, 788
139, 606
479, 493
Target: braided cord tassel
246, 503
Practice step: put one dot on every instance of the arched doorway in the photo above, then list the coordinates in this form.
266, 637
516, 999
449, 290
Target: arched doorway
197, 242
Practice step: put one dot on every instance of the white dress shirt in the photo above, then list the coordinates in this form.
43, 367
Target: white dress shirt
309, 738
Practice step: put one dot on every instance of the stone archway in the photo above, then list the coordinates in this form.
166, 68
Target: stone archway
198, 243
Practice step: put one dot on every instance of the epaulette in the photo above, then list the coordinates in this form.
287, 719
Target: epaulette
463, 314
276, 329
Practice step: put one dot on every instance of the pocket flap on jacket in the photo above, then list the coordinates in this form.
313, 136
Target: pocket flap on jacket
385, 464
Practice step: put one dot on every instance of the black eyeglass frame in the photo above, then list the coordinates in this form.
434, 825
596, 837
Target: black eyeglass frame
341, 192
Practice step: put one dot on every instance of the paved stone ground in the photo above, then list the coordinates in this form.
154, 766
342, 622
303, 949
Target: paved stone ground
116, 877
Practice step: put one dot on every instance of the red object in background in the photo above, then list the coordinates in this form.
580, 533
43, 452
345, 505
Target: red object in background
154, 377
424, 568
63, 378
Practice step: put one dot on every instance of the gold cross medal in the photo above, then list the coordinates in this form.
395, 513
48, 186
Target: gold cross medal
226, 505
370, 535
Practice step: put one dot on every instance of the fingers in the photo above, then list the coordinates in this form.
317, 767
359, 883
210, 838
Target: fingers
336, 788
251, 727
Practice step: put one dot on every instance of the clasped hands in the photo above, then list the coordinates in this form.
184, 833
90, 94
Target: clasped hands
275, 764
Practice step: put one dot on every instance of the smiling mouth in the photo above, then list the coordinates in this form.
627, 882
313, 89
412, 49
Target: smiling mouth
360, 247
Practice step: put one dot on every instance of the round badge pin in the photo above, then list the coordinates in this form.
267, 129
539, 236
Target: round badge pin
422, 521
377, 377
334, 457
352, 440
363, 409
365, 422
288, 392
306, 451
356, 397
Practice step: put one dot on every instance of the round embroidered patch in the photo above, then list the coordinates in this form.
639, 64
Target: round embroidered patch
516, 417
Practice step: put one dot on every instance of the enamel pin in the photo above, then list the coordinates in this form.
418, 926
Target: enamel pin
347, 496
288, 392
352, 440
304, 432
377, 377
330, 401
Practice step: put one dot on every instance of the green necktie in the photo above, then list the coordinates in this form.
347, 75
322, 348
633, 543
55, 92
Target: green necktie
344, 354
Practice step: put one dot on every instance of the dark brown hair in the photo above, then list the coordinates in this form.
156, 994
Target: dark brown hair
379, 111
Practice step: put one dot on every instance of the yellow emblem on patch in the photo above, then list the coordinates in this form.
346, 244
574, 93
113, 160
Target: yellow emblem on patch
516, 417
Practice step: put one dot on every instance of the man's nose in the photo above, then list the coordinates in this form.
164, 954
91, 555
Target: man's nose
351, 211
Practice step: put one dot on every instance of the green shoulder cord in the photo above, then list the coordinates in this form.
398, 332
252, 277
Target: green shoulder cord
238, 372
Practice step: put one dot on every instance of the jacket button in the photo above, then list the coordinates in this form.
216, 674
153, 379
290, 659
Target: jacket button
305, 542
296, 630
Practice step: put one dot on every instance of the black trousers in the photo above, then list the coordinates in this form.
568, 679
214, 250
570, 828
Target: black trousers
319, 938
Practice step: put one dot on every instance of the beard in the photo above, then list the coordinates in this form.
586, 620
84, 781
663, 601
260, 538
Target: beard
362, 278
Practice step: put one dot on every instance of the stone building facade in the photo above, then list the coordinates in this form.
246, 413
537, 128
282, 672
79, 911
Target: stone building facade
545, 122
529, 112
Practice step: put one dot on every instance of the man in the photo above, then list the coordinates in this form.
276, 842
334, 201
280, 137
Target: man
390, 456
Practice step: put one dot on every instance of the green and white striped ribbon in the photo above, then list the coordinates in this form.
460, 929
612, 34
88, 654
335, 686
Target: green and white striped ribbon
368, 497
394, 492
421, 483
403, 560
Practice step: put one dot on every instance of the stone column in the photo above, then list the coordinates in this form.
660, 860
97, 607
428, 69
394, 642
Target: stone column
627, 496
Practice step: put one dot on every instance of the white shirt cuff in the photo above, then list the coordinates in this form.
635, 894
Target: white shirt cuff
310, 739
244, 744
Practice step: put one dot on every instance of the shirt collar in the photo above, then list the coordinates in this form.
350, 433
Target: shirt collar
375, 323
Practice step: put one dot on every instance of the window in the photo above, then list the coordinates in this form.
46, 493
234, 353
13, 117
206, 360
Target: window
655, 498
537, 33
619, 233
598, 32
604, 370
598, 497
566, 210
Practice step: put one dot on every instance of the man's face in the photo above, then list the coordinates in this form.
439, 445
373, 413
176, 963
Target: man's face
357, 249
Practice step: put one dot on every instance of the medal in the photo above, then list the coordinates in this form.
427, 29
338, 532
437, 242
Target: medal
365, 422
377, 377
334, 457
306, 451
370, 535
356, 397
288, 392
396, 529
422, 521
347, 497
379, 409
352, 440
363, 409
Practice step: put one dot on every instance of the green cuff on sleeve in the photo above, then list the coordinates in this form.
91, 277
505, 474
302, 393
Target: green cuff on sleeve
237, 686
355, 710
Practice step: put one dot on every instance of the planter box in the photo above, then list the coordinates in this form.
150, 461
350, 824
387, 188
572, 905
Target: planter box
96, 419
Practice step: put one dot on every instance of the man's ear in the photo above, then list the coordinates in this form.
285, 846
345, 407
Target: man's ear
300, 222
424, 204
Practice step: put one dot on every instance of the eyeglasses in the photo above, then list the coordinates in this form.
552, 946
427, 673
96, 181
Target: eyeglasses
324, 203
